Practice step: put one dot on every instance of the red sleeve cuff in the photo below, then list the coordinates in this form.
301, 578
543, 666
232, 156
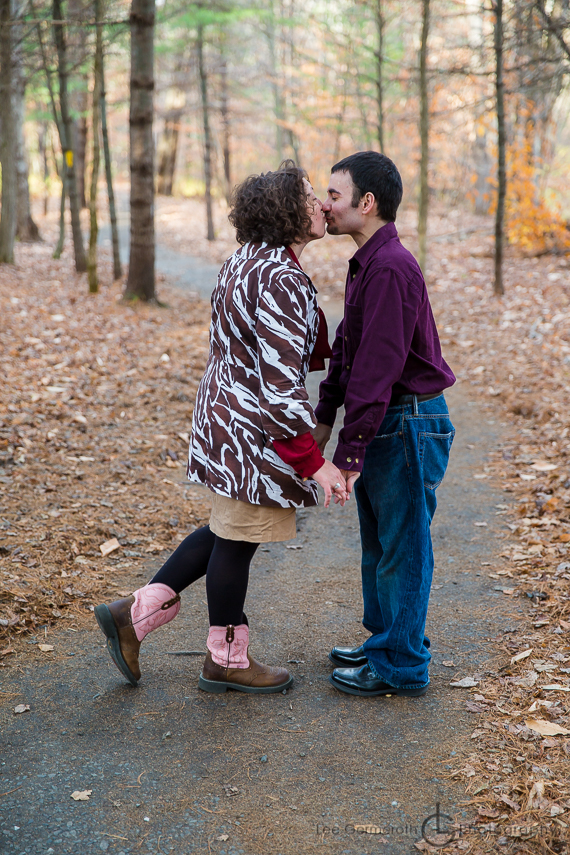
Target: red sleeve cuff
300, 452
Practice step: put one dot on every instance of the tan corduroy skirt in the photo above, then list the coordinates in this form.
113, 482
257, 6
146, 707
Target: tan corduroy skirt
235, 520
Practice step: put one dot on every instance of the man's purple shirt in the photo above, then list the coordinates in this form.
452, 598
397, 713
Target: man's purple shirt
386, 345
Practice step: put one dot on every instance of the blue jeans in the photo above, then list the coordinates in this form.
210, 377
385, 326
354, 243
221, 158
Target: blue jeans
395, 494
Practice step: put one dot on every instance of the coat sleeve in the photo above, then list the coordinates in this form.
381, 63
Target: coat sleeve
282, 333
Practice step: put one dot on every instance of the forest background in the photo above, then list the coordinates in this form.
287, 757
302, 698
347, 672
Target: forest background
469, 98
164, 109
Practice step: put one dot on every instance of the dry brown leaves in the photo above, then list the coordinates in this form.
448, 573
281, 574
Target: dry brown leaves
96, 405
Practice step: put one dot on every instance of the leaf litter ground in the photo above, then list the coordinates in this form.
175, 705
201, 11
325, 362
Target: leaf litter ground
96, 408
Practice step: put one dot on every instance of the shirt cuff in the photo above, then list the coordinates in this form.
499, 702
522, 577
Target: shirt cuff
349, 457
300, 452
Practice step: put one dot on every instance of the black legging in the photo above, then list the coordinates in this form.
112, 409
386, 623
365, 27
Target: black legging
225, 563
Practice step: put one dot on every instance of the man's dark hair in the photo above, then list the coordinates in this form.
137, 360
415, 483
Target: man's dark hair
372, 172
272, 207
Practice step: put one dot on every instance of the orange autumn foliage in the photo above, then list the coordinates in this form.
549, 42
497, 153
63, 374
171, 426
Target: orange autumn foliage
531, 224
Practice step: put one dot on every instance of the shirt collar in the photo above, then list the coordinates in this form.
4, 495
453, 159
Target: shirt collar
362, 255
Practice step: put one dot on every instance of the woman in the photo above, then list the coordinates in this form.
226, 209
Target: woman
251, 441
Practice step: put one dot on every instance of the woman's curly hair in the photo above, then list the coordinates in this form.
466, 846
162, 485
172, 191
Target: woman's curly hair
272, 207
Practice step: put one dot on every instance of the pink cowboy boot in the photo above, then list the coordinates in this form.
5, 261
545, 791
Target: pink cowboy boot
228, 665
126, 622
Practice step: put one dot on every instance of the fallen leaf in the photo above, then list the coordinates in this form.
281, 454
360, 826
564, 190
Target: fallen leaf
556, 687
543, 466
481, 524
154, 547
7, 651
21, 708
545, 728
536, 796
223, 837
491, 813
521, 655
294, 546
45, 648
527, 681
109, 546
510, 802
81, 795
448, 663
465, 683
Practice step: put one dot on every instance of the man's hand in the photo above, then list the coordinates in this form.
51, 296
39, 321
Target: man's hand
322, 434
350, 478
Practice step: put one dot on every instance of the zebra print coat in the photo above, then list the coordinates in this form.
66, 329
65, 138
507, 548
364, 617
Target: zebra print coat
264, 326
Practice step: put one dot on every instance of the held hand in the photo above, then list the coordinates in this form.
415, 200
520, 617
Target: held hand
350, 478
322, 434
328, 476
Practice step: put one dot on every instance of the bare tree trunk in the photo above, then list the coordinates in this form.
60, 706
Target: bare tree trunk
66, 144
95, 124
225, 114
78, 11
424, 140
167, 153
26, 229
8, 140
61, 133
59, 248
498, 286
379, 72
117, 271
43, 153
207, 133
141, 278
275, 85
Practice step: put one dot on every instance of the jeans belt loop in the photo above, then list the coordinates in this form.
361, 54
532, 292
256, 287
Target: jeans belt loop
416, 412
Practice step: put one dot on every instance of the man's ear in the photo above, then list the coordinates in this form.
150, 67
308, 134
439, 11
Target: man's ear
368, 203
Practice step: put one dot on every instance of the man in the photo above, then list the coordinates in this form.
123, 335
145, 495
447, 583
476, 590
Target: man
388, 371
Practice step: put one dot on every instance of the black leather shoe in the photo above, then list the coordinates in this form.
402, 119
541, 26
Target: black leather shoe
361, 681
348, 657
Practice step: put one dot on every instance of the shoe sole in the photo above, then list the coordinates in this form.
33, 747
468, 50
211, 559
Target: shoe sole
109, 629
216, 687
348, 663
405, 693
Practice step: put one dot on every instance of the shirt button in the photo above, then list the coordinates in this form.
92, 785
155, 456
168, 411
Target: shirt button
357, 460
346, 338
359, 436
348, 367
349, 459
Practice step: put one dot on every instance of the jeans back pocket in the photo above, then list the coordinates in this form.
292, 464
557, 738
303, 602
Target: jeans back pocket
434, 451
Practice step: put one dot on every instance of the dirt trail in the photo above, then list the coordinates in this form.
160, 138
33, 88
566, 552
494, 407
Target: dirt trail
171, 769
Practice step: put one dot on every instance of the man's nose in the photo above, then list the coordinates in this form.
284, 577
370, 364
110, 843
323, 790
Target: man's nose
326, 205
